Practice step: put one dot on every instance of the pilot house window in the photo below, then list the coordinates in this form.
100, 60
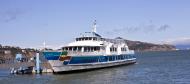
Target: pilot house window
113, 49
91, 49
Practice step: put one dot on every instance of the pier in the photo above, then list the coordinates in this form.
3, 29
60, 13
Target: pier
32, 66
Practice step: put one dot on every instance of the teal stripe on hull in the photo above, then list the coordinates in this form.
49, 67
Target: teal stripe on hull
86, 59
51, 55
94, 59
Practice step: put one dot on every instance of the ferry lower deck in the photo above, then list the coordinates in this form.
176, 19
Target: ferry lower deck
74, 63
92, 66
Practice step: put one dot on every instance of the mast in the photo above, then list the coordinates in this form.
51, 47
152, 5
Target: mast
94, 27
44, 45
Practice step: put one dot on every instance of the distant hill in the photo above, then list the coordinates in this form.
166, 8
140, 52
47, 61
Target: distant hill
144, 46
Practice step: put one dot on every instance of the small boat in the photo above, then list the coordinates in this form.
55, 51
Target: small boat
90, 51
22, 70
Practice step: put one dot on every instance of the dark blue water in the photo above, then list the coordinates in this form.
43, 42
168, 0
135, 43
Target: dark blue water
151, 68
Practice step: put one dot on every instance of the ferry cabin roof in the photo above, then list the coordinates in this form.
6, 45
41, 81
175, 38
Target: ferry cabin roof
86, 43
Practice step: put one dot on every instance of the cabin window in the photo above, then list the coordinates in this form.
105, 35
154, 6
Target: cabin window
85, 49
94, 38
77, 39
79, 48
70, 48
88, 49
91, 49
96, 48
122, 57
113, 49
102, 39
86, 38
66, 48
90, 38
63, 49
75, 48
123, 49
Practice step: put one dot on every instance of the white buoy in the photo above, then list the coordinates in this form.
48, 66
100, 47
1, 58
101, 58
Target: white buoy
15, 71
37, 63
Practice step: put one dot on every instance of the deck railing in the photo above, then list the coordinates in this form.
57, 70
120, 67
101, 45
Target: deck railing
74, 53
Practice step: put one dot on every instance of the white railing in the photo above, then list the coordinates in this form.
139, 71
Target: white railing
75, 53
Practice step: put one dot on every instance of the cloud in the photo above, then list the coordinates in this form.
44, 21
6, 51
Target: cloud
10, 15
146, 28
163, 27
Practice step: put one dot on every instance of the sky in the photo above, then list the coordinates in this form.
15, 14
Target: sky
28, 23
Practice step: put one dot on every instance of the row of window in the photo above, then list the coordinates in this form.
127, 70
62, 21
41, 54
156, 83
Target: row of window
78, 60
86, 38
86, 49
113, 49
90, 49
89, 38
123, 49
72, 48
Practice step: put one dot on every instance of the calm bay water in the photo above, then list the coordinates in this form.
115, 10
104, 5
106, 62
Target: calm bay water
151, 68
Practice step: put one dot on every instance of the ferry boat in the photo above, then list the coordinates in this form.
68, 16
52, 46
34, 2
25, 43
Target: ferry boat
90, 51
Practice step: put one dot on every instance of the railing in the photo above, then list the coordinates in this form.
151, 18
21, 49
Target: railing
75, 53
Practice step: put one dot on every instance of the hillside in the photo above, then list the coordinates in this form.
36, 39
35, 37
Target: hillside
9, 52
144, 46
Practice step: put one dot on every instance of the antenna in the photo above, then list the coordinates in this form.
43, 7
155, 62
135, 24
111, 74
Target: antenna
44, 44
94, 27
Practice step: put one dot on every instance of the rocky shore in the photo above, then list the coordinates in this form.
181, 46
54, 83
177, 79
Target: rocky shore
143, 46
